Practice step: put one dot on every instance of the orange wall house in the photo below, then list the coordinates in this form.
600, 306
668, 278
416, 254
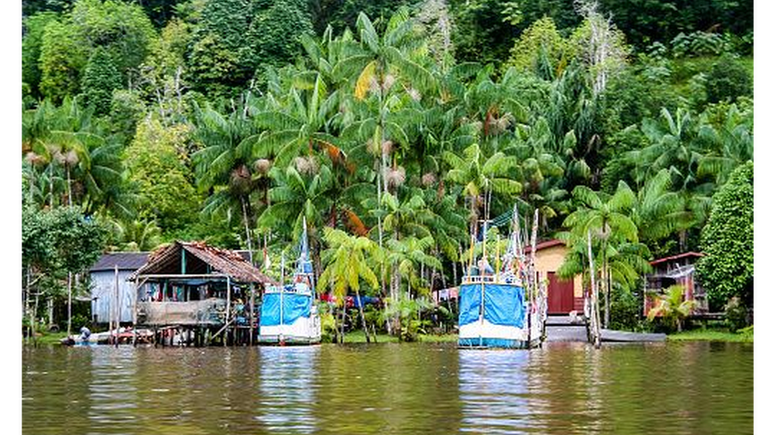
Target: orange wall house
563, 295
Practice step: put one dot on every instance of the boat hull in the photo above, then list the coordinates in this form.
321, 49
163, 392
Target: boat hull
497, 343
304, 330
502, 323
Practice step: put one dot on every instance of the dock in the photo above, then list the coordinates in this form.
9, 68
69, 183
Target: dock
561, 329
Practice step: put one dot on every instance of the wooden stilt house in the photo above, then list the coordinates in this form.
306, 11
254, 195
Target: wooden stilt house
192, 293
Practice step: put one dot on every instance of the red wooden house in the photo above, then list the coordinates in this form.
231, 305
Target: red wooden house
676, 269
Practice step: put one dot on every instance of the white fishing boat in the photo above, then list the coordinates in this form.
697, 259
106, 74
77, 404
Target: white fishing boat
505, 306
289, 313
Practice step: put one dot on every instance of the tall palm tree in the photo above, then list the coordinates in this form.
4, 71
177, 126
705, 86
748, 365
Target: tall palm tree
408, 255
731, 144
607, 218
297, 120
386, 72
675, 144
660, 212
480, 176
80, 158
224, 164
300, 191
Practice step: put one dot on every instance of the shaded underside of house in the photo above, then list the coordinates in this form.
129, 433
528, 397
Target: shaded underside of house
194, 284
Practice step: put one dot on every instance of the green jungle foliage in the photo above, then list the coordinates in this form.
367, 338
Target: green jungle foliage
391, 127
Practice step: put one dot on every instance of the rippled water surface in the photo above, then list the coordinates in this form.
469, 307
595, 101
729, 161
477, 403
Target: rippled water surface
564, 388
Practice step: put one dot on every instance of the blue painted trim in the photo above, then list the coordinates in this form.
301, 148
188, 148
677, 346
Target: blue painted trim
492, 343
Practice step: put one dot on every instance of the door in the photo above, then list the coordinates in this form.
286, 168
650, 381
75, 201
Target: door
560, 294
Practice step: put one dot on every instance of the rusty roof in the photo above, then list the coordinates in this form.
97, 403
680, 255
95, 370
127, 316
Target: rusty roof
544, 245
222, 261
677, 257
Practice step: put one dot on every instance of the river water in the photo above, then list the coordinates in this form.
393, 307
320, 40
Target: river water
563, 388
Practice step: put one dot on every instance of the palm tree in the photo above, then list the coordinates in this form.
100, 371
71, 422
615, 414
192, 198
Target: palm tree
675, 144
731, 144
607, 218
79, 155
301, 191
541, 170
345, 265
386, 70
659, 212
406, 256
672, 308
295, 120
480, 176
224, 166
136, 235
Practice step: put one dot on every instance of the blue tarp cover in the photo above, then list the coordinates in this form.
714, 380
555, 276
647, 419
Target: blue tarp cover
504, 304
470, 303
294, 306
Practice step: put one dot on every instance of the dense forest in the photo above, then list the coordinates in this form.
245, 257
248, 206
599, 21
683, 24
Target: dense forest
391, 127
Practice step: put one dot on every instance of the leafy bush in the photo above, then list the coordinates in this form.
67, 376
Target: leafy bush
699, 44
625, 309
79, 321
671, 308
728, 80
727, 240
736, 315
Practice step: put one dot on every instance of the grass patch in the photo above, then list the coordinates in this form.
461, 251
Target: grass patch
359, 337
49, 338
743, 336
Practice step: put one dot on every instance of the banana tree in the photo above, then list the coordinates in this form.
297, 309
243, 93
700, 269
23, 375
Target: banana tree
345, 265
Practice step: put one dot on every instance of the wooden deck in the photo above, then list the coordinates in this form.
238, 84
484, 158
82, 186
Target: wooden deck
573, 333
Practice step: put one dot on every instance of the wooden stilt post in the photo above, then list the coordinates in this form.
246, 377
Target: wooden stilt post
252, 313
228, 308
134, 314
116, 308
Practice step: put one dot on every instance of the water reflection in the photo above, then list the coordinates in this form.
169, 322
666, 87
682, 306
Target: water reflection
494, 390
286, 388
564, 388
112, 393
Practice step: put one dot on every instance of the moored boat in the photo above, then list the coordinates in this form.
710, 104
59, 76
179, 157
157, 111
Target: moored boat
505, 306
289, 312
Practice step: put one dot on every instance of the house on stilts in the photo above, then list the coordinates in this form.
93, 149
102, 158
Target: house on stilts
195, 294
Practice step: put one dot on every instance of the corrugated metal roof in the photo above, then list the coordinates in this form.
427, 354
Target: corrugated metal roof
124, 261
223, 261
677, 257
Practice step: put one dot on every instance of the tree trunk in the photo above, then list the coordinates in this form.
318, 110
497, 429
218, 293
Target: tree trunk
362, 316
343, 315
247, 230
606, 286
597, 339
69, 302
27, 303
609, 285
35, 315
69, 188
50, 306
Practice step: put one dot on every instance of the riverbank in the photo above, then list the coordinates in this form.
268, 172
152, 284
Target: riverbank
557, 334
49, 338
359, 337
743, 336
